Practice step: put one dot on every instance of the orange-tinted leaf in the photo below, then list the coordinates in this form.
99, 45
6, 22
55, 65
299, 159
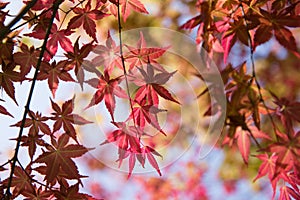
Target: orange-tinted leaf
243, 142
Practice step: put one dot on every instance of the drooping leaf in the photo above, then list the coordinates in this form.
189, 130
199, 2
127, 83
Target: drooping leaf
107, 89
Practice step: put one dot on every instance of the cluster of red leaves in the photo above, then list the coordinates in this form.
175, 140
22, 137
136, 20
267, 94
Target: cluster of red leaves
220, 24
55, 161
140, 61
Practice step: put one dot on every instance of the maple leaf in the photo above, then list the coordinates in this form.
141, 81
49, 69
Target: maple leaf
76, 60
267, 167
287, 149
4, 111
59, 157
146, 113
56, 36
242, 134
7, 77
26, 59
141, 55
107, 89
277, 22
85, 16
150, 86
286, 193
37, 193
20, 181
36, 123
64, 117
129, 5
235, 30
71, 193
109, 55
127, 140
288, 111
149, 152
53, 73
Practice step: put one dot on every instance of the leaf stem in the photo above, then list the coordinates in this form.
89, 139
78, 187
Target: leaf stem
30, 95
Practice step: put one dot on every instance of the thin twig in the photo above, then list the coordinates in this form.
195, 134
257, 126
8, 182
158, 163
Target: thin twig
34, 180
123, 64
43, 49
6, 30
254, 77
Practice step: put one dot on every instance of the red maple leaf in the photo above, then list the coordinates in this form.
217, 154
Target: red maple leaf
27, 58
277, 22
127, 140
267, 167
149, 152
72, 193
151, 86
107, 89
53, 73
76, 60
36, 123
287, 149
56, 36
4, 111
86, 16
129, 5
143, 113
109, 55
20, 181
37, 193
7, 77
288, 111
286, 193
58, 157
141, 55
64, 117
243, 139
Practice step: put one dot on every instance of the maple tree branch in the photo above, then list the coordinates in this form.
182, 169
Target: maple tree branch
254, 76
30, 95
67, 12
34, 180
35, 17
6, 30
7, 162
123, 63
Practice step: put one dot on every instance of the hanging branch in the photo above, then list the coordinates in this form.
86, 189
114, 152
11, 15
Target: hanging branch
30, 95
254, 77
123, 62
